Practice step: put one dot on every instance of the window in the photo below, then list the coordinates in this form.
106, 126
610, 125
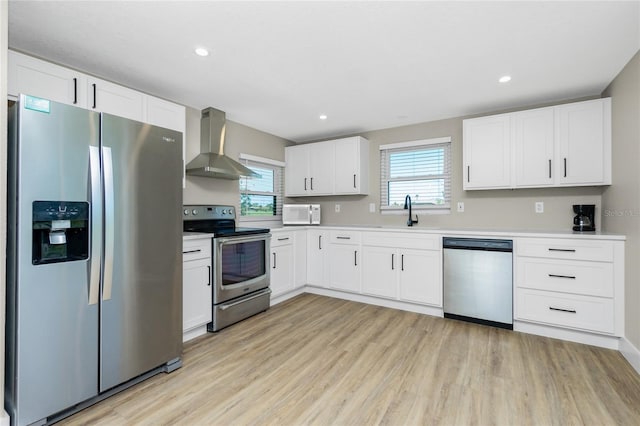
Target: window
420, 169
261, 197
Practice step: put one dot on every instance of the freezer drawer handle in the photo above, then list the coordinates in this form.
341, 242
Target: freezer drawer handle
96, 226
192, 251
564, 250
570, 311
562, 276
255, 296
109, 223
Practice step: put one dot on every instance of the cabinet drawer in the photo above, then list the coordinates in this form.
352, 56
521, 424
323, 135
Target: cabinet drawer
402, 239
345, 237
573, 311
282, 239
196, 249
565, 249
578, 277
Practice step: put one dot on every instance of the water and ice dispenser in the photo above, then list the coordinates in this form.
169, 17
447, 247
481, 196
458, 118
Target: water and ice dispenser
60, 231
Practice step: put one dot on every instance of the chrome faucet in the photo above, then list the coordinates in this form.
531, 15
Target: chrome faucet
407, 205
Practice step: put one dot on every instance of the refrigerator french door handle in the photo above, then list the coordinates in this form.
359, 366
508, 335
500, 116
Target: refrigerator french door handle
96, 225
109, 219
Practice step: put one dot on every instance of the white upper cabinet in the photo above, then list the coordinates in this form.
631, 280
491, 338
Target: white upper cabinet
352, 174
31, 76
583, 139
105, 96
563, 145
533, 146
311, 168
487, 152
165, 114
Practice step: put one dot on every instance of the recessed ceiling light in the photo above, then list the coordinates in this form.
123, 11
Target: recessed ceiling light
323, 117
201, 51
505, 79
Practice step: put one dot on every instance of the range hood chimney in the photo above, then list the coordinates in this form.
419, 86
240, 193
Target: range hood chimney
211, 162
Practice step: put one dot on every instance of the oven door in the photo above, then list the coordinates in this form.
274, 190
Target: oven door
241, 266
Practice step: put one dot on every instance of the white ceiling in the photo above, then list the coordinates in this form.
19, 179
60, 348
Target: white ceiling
276, 66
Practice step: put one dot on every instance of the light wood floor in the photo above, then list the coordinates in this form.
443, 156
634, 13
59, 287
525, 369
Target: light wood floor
324, 361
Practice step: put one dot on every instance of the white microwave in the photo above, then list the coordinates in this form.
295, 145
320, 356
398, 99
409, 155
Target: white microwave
301, 214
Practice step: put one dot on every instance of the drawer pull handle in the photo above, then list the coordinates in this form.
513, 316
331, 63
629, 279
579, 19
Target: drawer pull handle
343, 238
571, 311
192, 251
562, 276
283, 239
564, 250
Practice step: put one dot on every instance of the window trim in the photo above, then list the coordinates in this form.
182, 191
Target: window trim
428, 209
267, 162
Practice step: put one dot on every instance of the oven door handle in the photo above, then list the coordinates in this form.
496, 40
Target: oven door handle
226, 306
237, 240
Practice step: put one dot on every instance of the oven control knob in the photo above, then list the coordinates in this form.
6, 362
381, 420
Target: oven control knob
230, 211
194, 212
186, 212
224, 211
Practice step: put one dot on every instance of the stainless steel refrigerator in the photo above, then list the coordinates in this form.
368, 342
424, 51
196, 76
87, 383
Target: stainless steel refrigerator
94, 272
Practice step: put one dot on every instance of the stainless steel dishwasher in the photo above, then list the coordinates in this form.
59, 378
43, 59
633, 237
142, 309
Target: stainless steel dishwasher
478, 281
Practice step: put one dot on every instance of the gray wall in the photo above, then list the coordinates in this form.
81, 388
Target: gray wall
239, 139
503, 209
622, 200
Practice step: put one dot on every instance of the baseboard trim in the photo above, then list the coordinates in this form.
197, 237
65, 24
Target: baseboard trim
286, 296
372, 300
194, 332
609, 342
631, 353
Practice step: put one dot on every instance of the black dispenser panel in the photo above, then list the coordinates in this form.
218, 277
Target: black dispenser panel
60, 231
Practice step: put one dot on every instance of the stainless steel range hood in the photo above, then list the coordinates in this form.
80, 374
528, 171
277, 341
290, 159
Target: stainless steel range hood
211, 162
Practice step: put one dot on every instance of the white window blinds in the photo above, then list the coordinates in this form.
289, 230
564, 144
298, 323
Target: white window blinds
421, 169
261, 197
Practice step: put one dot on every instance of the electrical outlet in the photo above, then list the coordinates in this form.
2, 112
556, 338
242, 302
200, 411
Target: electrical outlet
460, 207
372, 207
337, 208
539, 207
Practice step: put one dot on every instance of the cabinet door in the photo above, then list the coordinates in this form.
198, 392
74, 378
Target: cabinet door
113, 99
321, 168
380, 266
296, 170
196, 293
281, 269
533, 143
487, 153
31, 76
347, 175
318, 244
583, 135
345, 267
300, 259
421, 276
164, 114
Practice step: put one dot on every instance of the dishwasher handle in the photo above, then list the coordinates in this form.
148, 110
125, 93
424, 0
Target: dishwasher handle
483, 244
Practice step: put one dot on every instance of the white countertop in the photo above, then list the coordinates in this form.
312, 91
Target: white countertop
471, 232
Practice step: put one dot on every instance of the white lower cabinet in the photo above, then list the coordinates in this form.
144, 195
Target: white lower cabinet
570, 283
282, 272
405, 267
344, 261
196, 284
317, 257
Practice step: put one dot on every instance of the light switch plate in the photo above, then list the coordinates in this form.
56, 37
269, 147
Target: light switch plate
372, 207
337, 208
539, 207
460, 207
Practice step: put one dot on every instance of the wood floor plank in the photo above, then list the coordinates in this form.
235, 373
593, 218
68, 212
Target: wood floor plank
315, 360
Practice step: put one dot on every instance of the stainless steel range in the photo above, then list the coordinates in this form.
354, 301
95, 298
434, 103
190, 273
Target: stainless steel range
240, 259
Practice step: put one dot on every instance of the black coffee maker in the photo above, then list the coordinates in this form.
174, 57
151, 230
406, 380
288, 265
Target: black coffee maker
584, 220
